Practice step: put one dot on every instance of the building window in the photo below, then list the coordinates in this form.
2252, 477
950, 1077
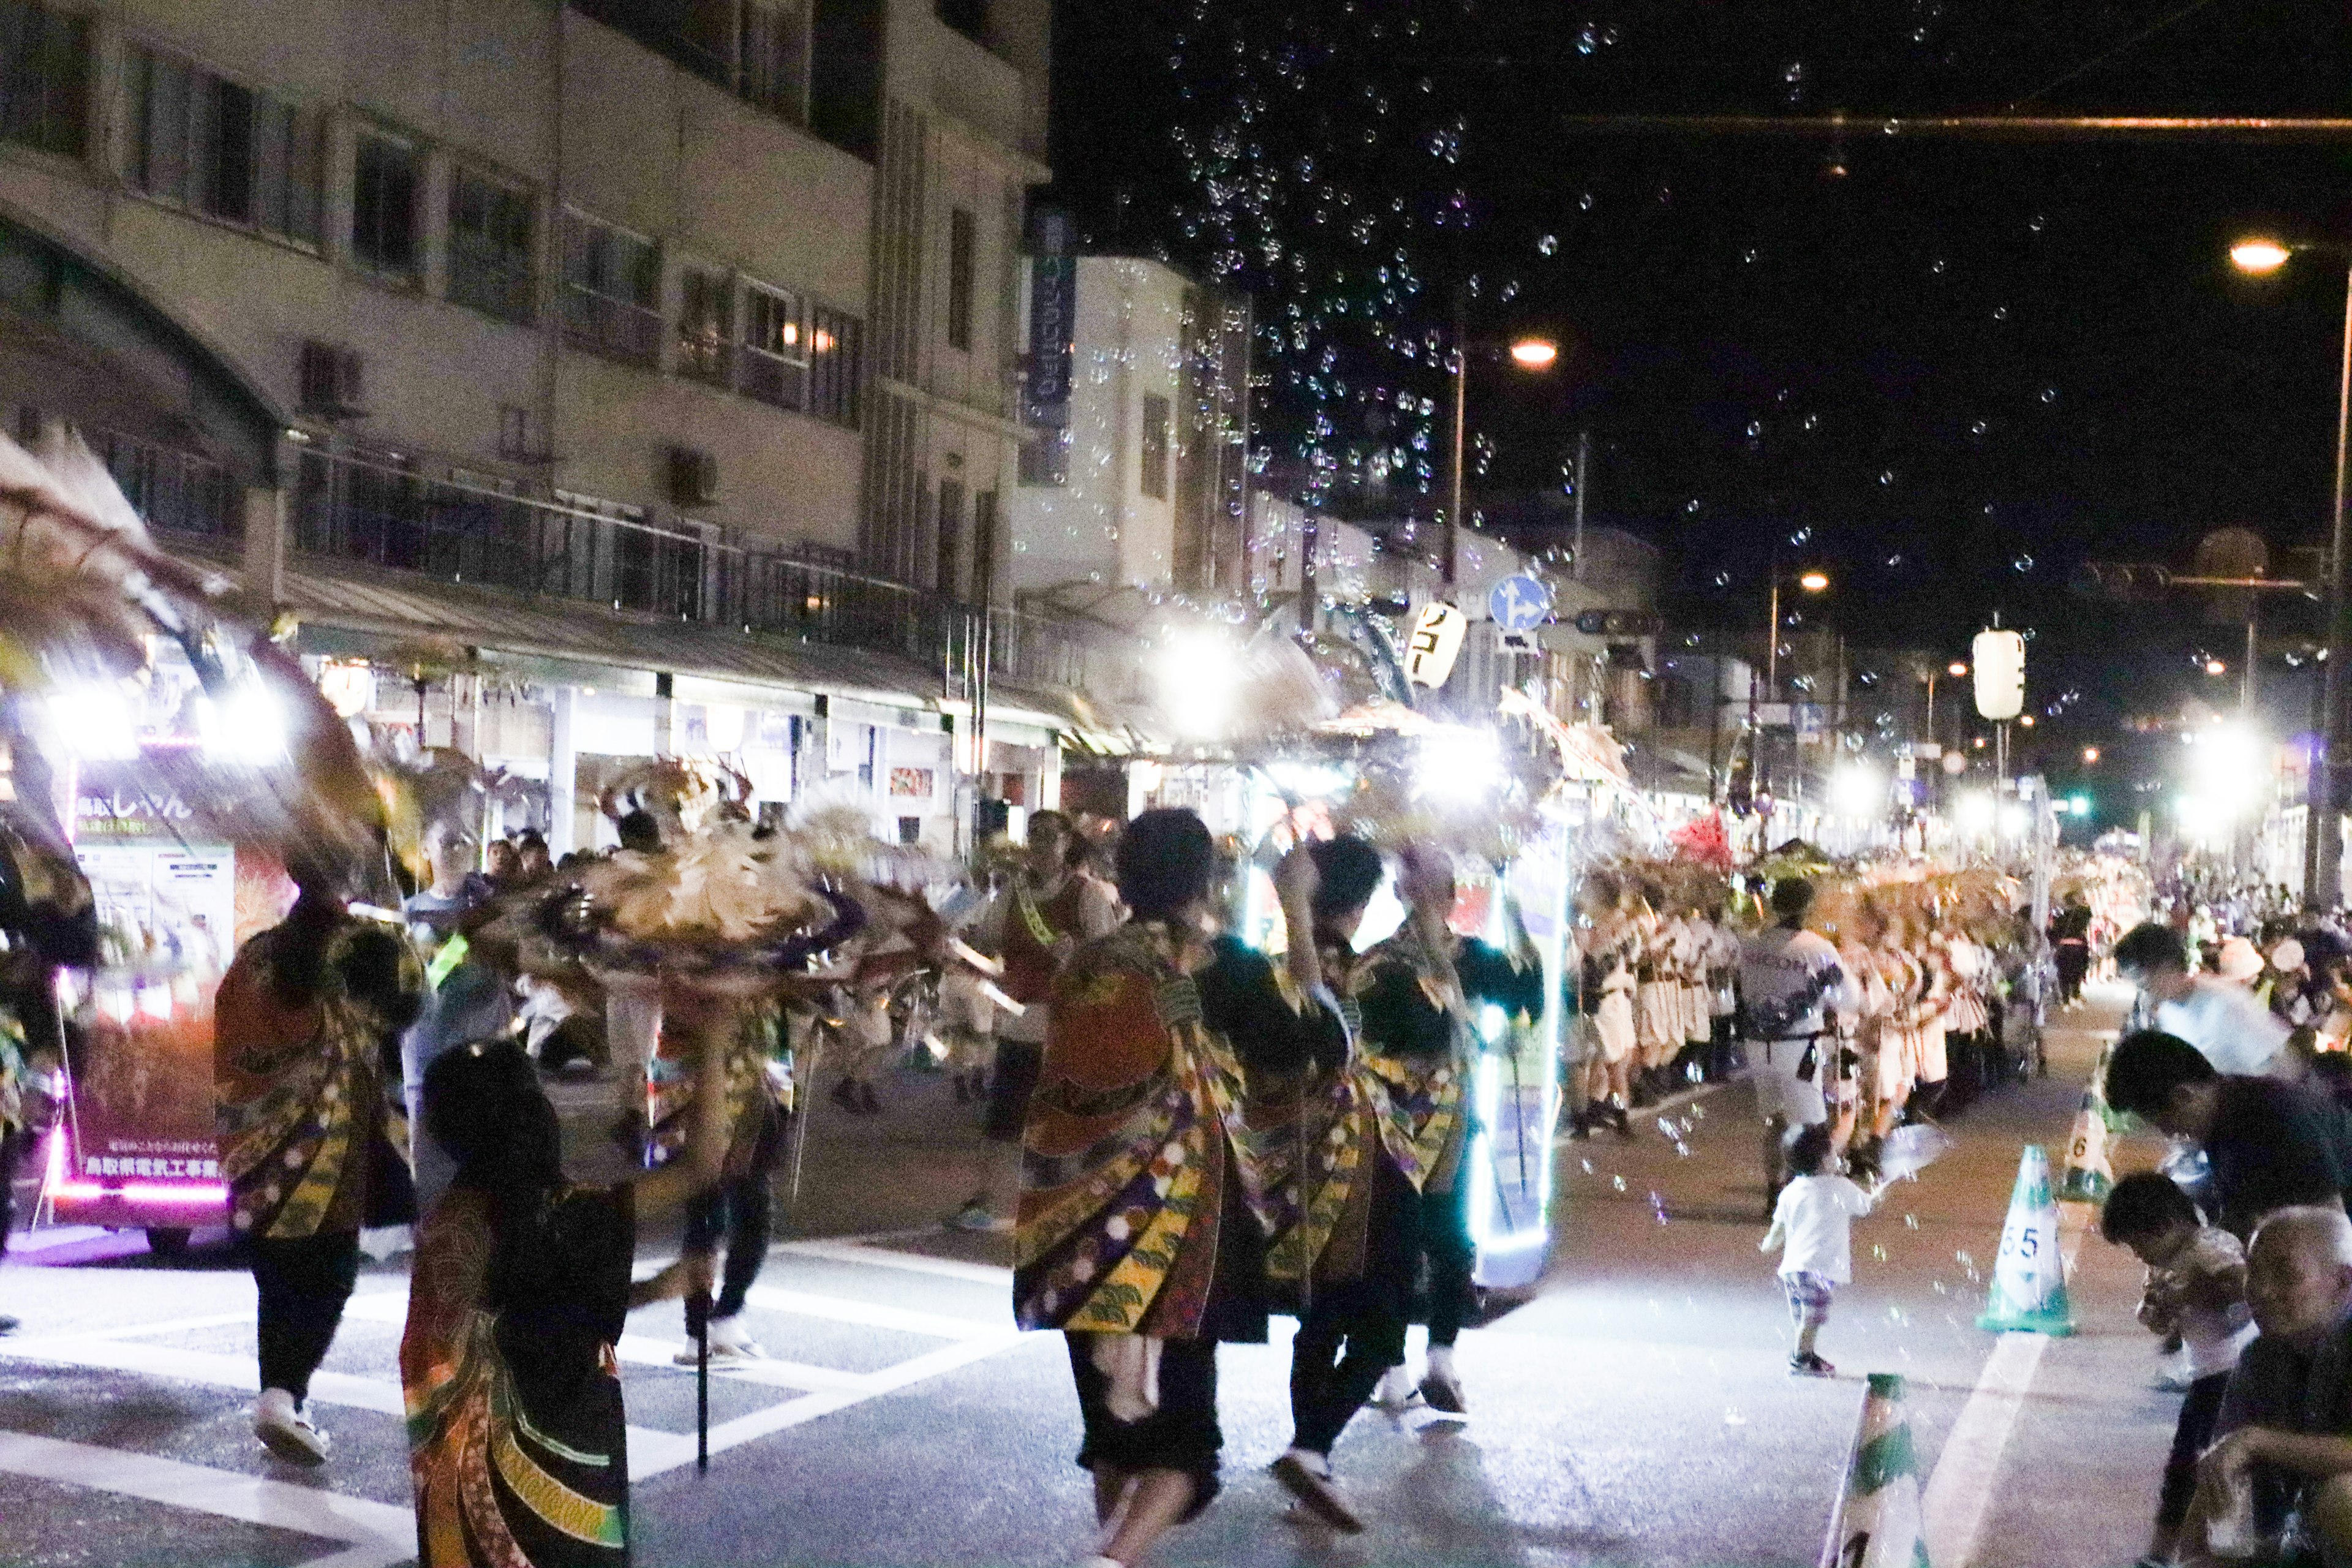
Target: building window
656, 572
775, 57
832, 367
612, 291
960, 264
775, 347
1154, 477
386, 176
44, 77
176, 492
491, 230
207, 145
1045, 456
704, 325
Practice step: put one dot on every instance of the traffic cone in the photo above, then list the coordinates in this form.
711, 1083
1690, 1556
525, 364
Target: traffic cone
1876, 1523
2089, 1177
2028, 1278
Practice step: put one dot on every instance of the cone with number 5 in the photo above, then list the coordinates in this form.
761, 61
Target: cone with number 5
2029, 1279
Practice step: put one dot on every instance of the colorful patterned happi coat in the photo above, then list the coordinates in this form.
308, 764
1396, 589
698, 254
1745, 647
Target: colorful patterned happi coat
298, 1093
1404, 1106
1130, 1143
507, 1474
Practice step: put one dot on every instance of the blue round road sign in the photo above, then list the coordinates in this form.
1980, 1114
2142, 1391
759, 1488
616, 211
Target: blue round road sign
1519, 603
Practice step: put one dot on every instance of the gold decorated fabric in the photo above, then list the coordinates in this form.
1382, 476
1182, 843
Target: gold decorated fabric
298, 1093
1128, 1145
494, 1488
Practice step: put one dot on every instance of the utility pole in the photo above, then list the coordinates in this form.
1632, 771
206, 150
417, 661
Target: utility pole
1583, 477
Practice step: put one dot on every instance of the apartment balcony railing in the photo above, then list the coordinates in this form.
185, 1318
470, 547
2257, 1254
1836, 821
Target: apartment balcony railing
352, 510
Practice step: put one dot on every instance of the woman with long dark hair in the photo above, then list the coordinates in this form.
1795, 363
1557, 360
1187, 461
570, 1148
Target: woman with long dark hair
517, 1445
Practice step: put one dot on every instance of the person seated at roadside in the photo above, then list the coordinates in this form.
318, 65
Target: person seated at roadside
2285, 1422
2196, 1292
2236, 1033
2270, 1143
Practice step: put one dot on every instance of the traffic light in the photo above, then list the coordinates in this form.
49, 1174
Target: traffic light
1619, 623
2128, 583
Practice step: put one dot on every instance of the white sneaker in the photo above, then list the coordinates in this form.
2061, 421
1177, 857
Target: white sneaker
729, 1341
285, 1431
1396, 1391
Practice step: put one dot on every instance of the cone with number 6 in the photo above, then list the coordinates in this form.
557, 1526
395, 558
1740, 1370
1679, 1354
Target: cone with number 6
2089, 1177
2029, 1279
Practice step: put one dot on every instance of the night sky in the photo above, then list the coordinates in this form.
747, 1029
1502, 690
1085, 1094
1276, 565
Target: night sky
1953, 370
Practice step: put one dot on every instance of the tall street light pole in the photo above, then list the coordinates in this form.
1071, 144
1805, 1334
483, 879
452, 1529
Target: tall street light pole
1529, 354
2321, 847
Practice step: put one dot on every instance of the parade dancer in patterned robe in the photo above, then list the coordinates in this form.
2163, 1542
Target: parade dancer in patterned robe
1419, 993
305, 1079
517, 1439
1142, 1231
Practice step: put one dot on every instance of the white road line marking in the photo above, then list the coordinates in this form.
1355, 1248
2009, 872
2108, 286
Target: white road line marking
646, 1349
374, 1534
210, 1367
874, 1315
169, 1326
911, 1262
1960, 1493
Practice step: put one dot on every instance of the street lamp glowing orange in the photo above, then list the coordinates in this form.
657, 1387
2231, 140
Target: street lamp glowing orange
2259, 256
1813, 582
1534, 353
2091, 755
1957, 667
2027, 720
2215, 667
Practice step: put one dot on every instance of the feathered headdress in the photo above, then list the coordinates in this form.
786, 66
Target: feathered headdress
86, 601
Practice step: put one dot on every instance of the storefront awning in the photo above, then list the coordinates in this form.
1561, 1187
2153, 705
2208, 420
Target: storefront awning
380, 609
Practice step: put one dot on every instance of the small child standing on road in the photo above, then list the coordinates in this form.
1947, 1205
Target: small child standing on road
1812, 1224
2195, 1289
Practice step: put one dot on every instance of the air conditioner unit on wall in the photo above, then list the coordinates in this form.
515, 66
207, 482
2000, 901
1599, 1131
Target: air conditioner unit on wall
693, 476
332, 380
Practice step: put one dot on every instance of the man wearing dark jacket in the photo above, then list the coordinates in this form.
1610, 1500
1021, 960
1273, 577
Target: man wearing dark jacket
2271, 1143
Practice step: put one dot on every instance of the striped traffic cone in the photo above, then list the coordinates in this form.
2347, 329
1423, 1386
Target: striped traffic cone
1876, 1523
2028, 1278
2089, 1177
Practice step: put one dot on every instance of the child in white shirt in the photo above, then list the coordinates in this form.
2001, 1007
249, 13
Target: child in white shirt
2196, 1290
1812, 1224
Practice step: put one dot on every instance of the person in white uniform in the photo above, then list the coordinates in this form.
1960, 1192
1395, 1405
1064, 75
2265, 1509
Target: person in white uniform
1791, 985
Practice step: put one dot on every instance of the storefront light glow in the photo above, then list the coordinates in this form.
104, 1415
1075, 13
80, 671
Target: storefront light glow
246, 726
1974, 812
56, 1184
1858, 790
1459, 763
349, 686
1198, 673
95, 723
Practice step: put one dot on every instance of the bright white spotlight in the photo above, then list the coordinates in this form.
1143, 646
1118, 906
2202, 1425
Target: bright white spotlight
1858, 790
1459, 763
1198, 674
95, 722
1974, 813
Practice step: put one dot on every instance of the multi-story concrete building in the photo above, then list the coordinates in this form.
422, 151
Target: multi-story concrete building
631, 375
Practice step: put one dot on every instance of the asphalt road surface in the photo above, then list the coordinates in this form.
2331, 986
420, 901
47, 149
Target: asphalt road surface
1635, 1408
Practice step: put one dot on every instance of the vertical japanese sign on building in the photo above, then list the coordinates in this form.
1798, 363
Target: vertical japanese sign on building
1053, 325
